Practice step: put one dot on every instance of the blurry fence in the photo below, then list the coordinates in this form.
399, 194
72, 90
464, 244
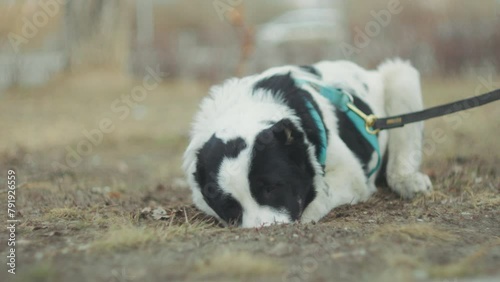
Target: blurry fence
191, 39
30, 69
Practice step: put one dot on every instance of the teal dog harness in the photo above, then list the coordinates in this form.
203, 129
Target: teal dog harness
343, 102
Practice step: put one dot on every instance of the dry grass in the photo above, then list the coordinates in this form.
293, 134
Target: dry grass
491, 200
414, 232
433, 197
467, 266
65, 213
237, 265
125, 236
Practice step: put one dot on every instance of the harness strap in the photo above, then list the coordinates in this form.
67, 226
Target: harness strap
322, 133
369, 125
343, 102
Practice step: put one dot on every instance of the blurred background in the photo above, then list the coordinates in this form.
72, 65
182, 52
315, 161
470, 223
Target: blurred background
209, 40
96, 101
63, 65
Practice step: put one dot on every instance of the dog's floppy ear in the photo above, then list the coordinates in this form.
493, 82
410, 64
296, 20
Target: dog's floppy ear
291, 139
285, 132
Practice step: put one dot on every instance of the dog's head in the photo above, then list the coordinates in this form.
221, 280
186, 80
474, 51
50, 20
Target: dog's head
249, 166
252, 186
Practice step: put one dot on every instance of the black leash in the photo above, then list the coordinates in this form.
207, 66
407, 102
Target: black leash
465, 104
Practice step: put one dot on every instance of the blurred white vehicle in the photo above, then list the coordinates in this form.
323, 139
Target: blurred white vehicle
303, 25
299, 37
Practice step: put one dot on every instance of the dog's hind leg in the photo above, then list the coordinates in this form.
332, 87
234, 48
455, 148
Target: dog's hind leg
402, 94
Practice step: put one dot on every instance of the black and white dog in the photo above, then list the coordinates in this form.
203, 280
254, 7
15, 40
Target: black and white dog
255, 154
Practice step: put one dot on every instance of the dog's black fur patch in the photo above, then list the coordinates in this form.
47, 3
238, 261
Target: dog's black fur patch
210, 158
352, 137
295, 98
281, 175
310, 69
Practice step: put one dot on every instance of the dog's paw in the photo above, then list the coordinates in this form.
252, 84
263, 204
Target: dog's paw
408, 186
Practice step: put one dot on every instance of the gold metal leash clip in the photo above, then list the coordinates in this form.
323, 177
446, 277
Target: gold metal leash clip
369, 119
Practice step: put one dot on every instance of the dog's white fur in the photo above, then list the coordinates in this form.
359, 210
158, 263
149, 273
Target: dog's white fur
230, 112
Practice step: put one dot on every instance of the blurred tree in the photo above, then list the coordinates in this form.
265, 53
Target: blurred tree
97, 33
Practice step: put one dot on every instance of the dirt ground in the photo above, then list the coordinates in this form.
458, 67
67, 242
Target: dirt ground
122, 211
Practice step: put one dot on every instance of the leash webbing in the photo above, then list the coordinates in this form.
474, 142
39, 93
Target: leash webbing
461, 105
370, 125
